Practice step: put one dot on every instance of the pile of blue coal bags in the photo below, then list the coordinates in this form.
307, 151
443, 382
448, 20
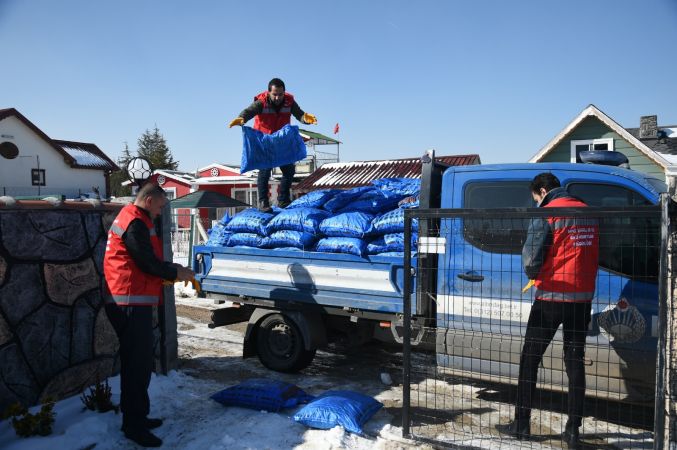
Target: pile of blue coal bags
218, 235
367, 220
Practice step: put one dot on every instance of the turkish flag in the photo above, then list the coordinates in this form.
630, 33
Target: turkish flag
336, 128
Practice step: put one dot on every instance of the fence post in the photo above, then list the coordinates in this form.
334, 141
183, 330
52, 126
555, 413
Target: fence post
169, 344
665, 418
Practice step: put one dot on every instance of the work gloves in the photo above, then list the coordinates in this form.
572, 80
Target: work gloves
239, 121
310, 119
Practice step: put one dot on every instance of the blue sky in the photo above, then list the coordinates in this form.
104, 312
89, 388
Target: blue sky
497, 78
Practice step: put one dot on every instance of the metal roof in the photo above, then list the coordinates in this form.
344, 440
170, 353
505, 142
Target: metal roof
361, 173
86, 155
317, 138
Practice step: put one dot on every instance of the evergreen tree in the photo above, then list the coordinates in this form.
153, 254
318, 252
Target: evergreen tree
119, 177
153, 146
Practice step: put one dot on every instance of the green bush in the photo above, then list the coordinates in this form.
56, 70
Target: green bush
26, 424
99, 398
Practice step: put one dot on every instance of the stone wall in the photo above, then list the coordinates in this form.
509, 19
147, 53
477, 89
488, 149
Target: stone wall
55, 338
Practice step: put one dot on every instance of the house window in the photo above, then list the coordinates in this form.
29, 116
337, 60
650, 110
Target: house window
249, 196
589, 144
38, 177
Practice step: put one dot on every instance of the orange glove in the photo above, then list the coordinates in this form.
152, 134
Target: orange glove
310, 119
239, 121
527, 286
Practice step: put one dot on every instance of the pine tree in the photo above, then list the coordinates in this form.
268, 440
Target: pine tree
153, 146
119, 177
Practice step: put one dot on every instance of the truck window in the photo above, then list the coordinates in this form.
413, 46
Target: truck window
497, 235
627, 245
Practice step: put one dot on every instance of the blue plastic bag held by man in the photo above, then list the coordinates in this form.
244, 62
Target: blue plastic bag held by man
273, 110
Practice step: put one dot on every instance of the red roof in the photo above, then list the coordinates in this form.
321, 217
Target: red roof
362, 173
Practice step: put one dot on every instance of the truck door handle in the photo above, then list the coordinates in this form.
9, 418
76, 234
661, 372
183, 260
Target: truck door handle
471, 276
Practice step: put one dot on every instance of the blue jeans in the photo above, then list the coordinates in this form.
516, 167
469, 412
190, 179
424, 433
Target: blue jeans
288, 172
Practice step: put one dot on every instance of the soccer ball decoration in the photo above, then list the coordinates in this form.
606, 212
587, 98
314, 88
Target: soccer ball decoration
139, 170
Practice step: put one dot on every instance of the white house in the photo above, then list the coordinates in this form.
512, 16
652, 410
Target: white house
33, 164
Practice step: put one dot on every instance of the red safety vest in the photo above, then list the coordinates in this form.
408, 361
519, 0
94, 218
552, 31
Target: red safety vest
569, 270
128, 285
270, 120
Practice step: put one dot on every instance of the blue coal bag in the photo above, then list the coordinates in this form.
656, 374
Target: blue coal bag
315, 199
247, 240
348, 409
378, 245
392, 222
298, 219
290, 238
398, 239
250, 221
373, 202
404, 187
218, 236
353, 246
262, 395
342, 199
266, 151
351, 224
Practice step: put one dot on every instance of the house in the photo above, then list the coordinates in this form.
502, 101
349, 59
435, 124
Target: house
33, 164
650, 148
361, 173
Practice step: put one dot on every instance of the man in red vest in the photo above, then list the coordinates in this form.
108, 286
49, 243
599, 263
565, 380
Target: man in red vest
273, 110
134, 270
560, 256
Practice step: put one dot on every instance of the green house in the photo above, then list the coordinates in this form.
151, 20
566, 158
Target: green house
650, 148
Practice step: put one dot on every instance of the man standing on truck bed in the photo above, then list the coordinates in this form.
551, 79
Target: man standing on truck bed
560, 256
273, 110
134, 270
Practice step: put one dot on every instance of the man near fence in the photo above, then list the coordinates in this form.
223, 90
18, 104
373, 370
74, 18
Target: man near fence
273, 110
134, 270
560, 256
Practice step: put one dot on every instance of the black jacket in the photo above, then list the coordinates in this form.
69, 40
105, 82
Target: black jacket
137, 241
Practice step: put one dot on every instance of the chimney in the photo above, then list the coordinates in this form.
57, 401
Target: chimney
648, 127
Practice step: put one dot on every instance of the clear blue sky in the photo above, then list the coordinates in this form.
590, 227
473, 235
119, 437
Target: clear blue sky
498, 78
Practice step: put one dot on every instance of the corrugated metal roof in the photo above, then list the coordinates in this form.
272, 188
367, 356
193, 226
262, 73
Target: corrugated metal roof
361, 173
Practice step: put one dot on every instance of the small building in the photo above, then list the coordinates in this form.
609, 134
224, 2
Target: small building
361, 173
33, 164
650, 148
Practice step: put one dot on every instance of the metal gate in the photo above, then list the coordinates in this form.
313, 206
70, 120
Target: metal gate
472, 304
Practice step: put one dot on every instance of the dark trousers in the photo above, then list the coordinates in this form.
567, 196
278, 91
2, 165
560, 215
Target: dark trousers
288, 172
134, 327
544, 320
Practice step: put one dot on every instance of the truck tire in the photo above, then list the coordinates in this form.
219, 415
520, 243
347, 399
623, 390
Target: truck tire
280, 345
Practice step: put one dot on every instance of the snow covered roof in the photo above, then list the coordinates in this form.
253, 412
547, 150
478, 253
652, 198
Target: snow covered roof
86, 155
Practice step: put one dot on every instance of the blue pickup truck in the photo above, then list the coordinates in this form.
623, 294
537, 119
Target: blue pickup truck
296, 302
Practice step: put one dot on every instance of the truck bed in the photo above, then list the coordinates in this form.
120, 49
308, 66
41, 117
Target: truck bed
372, 283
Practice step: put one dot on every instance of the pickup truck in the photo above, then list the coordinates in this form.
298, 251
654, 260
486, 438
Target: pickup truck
296, 302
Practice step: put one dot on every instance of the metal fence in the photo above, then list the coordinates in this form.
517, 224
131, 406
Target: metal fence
185, 235
461, 385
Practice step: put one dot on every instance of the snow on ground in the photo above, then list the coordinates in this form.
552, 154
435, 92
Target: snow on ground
210, 360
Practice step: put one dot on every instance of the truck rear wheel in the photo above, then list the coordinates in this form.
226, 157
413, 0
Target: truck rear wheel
280, 345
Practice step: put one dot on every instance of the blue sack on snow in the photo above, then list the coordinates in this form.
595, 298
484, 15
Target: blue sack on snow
349, 409
266, 151
261, 394
392, 222
248, 240
399, 186
351, 224
290, 238
250, 221
315, 199
342, 199
353, 246
298, 219
218, 236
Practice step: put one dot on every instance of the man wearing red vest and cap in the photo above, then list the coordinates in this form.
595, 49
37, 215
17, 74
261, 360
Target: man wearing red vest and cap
273, 110
134, 270
560, 257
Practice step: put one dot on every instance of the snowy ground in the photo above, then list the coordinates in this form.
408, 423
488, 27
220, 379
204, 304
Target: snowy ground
210, 360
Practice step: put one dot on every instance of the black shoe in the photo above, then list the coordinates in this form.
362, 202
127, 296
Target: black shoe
283, 204
519, 429
151, 423
570, 437
143, 437
264, 206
